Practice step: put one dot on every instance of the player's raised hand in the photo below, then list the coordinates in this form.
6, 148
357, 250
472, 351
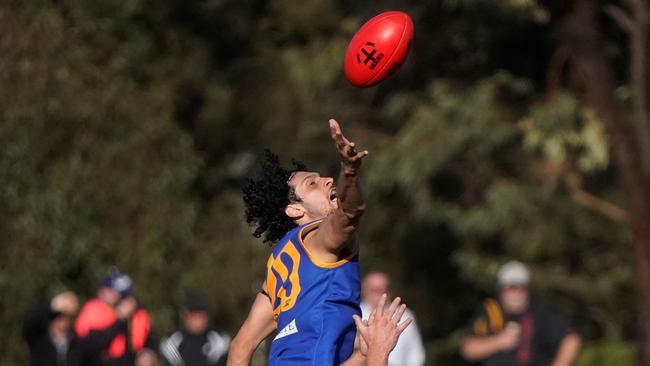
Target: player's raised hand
383, 328
346, 148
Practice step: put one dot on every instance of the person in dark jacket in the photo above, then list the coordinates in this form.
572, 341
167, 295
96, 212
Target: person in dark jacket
516, 330
195, 344
47, 329
113, 330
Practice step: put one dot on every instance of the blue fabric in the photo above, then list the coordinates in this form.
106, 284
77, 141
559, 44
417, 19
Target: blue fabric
313, 303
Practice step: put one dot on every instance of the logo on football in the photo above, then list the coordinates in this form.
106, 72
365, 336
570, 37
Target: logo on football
371, 57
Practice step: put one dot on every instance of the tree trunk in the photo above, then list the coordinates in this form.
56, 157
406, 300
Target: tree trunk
592, 71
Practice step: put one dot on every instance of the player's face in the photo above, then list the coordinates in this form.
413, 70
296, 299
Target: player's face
317, 194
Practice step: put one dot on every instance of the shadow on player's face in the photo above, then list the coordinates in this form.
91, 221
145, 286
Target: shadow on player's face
317, 195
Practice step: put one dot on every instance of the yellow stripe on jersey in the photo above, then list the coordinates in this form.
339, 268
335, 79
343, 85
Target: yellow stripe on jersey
294, 278
304, 231
271, 281
275, 264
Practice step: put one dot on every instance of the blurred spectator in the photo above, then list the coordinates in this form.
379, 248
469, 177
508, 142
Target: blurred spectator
516, 330
409, 350
112, 328
195, 344
47, 329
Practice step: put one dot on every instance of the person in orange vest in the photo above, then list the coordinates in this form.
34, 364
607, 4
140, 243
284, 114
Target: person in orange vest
112, 328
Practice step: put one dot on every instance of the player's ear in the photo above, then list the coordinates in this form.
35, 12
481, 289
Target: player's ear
294, 211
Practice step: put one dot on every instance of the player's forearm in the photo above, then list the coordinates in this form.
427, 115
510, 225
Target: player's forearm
240, 353
259, 324
349, 192
568, 350
479, 348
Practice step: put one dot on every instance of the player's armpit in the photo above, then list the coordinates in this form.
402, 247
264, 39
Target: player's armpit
333, 235
258, 325
338, 229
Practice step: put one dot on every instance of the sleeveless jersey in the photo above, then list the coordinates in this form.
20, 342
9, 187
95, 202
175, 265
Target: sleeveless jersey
313, 303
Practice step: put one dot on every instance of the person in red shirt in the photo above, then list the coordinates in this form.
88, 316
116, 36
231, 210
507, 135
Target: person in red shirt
112, 328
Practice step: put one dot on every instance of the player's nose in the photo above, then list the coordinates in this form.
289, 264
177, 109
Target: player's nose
328, 181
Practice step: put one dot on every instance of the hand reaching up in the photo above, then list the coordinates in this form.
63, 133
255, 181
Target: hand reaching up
379, 334
347, 149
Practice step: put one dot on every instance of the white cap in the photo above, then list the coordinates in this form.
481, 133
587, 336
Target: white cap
513, 273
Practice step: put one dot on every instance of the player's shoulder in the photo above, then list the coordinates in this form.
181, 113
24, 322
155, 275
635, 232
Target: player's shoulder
290, 236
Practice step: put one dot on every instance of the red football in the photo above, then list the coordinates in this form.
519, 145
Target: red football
378, 49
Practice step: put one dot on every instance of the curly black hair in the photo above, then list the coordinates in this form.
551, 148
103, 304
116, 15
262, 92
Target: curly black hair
266, 197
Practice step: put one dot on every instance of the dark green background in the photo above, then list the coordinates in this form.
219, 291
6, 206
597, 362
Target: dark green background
127, 127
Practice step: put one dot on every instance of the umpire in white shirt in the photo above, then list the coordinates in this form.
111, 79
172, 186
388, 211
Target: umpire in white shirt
409, 350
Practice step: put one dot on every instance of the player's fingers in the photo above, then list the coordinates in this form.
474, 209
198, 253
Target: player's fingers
347, 147
371, 318
357, 321
404, 325
379, 310
361, 326
393, 307
359, 155
334, 126
337, 135
350, 151
398, 315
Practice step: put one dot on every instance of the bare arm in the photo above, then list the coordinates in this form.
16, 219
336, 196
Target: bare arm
337, 228
259, 324
480, 348
567, 350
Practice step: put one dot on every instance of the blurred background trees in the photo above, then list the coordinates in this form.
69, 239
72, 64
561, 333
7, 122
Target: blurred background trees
127, 127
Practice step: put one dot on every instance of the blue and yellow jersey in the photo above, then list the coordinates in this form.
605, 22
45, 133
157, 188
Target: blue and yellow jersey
313, 303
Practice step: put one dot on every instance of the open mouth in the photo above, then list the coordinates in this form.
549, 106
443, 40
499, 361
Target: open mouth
333, 196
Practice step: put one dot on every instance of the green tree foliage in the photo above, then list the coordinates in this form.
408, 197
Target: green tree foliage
126, 128
471, 190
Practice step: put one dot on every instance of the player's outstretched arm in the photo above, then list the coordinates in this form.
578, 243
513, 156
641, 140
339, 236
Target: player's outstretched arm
258, 325
337, 229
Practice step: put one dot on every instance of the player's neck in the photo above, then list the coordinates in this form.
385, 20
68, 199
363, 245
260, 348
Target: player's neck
306, 219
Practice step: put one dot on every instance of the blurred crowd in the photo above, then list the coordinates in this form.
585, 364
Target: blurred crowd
113, 329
